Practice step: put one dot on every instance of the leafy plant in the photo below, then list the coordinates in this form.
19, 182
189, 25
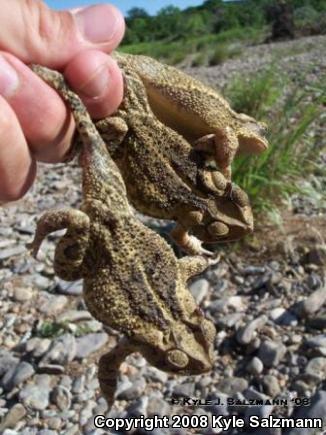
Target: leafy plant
223, 52
255, 95
275, 173
49, 329
199, 59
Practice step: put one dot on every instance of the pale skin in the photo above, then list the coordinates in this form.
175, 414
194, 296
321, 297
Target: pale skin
35, 124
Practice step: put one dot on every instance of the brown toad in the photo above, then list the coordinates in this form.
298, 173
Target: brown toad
196, 111
133, 282
167, 178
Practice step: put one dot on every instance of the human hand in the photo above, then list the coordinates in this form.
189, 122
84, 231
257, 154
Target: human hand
35, 124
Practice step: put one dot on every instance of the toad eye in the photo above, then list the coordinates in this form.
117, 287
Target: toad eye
218, 229
177, 358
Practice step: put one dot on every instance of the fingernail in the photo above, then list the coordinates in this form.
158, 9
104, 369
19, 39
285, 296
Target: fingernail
98, 23
9, 80
97, 83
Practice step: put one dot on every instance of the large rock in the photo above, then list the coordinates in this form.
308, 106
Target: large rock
62, 351
271, 352
16, 413
32, 396
247, 333
17, 375
316, 409
312, 303
90, 343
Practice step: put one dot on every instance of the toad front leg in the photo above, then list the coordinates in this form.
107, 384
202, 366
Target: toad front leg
180, 234
70, 251
190, 244
109, 364
222, 146
113, 130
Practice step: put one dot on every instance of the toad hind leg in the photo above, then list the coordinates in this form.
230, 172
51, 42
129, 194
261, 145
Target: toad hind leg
70, 251
108, 370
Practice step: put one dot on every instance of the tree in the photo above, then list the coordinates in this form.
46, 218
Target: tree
212, 4
135, 12
196, 24
169, 22
281, 14
168, 11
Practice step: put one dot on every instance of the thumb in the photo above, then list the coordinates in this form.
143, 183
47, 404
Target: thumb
34, 33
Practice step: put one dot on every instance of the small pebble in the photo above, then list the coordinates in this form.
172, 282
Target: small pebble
255, 366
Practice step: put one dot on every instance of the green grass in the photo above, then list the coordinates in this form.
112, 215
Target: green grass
290, 112
49, 329
199, 59
176, 51
223, 52
256, 95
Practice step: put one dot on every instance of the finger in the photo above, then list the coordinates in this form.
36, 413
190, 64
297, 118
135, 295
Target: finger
17, 167
96, 77
36, 34
43, 117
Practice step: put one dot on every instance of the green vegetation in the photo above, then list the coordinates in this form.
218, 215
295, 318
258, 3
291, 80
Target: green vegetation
256, 95
173, 34
309, 20
290, 110
218, 30
50, 329
206, 45
222, 53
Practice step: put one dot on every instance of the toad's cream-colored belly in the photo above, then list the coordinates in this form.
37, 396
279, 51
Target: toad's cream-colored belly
176, 117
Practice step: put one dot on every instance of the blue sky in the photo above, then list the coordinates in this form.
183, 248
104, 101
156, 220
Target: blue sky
124, 5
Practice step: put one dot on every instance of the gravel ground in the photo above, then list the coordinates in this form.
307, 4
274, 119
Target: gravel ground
267, 301
293, 57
